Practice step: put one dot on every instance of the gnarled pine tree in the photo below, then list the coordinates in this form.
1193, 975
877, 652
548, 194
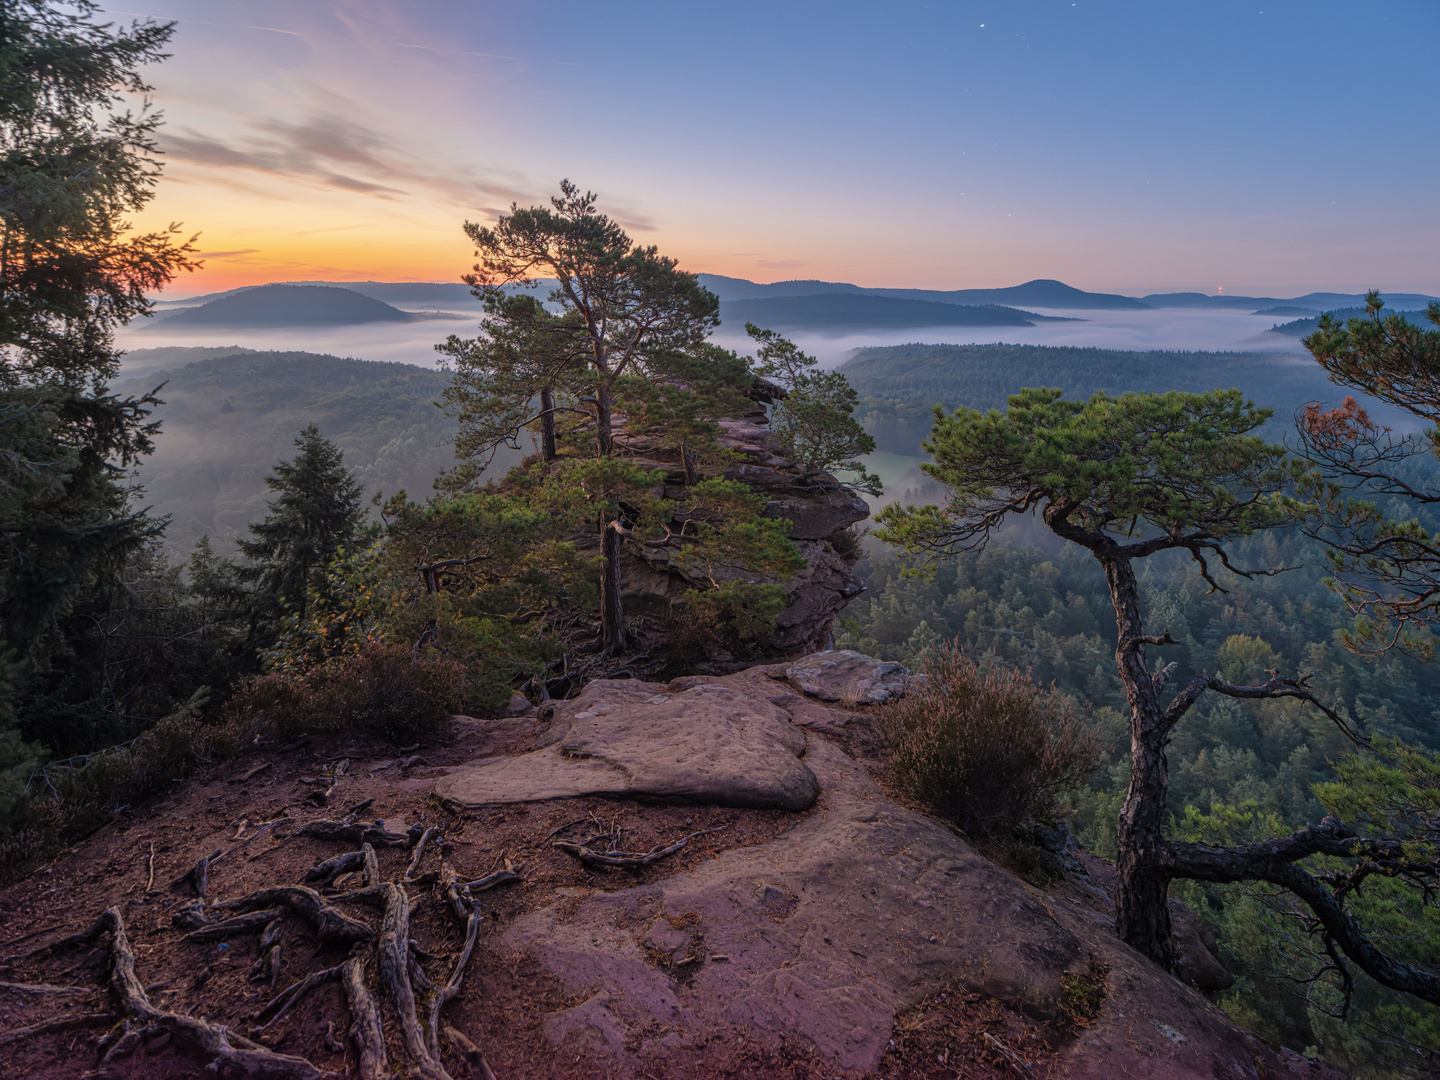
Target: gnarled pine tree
1127, 478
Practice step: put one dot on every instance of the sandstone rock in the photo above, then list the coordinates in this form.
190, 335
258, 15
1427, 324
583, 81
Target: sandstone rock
830, 930
817, 595
849, 676
519, 706
711, 744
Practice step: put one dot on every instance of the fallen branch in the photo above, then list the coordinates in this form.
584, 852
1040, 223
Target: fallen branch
618, 860
150, 884
254, 772
1018, 1063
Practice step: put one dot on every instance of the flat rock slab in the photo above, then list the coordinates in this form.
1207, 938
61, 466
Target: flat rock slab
833, 928
849, 676
711, 743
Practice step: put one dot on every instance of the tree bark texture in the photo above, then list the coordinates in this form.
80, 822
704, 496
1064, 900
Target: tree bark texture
547, 424
1142, 918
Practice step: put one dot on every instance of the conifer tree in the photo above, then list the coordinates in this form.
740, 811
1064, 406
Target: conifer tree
75, 160
316, 513
1126, 479
625, 313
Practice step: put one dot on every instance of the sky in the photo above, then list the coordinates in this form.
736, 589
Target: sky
1261, 148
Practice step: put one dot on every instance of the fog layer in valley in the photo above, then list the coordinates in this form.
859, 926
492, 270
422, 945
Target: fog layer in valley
413, 343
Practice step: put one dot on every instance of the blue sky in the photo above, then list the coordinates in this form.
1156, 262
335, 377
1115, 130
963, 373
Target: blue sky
1136, 147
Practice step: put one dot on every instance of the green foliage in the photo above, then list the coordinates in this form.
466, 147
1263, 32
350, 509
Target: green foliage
1374, 512
983, 746
315, 513
384, 690
814, 421
1048, 612
1173, 462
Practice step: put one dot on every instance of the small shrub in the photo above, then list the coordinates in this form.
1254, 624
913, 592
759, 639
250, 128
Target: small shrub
383, 690
983, 746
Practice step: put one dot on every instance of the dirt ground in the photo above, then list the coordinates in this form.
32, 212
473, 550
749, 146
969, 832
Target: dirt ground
506, 996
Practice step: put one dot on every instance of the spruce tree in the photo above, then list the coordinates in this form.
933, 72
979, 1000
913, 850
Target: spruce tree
316, 513
76, 159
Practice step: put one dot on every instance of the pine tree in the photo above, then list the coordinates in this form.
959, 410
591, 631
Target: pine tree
316, 513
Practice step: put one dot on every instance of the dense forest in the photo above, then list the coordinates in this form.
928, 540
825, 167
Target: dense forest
1027, 599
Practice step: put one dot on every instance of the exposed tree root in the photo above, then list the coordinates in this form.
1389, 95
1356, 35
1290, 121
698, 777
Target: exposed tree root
399, 971
42, 988
324, 875
213, 1041
489, 881
353, 832
249, 923
465, 907
267, 962
198, 875
69, 1022
365, 1026
395, 977
420, 845
287, 999
331, 924
469, 1051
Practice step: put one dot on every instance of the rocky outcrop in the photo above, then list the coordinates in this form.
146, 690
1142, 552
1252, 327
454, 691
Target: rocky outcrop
849, 676
708, 743
826, 933
655, 581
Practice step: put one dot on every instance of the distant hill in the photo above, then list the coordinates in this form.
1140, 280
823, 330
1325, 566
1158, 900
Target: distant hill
900, 384
228, 419
1302, 327
1321, 301
1039, 293
843, 312
281, 306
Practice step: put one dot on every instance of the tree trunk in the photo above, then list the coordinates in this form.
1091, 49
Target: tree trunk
612, 608
687, 460
1142, 919
547, 424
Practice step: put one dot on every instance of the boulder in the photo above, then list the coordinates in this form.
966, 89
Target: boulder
849, 676
711, 743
